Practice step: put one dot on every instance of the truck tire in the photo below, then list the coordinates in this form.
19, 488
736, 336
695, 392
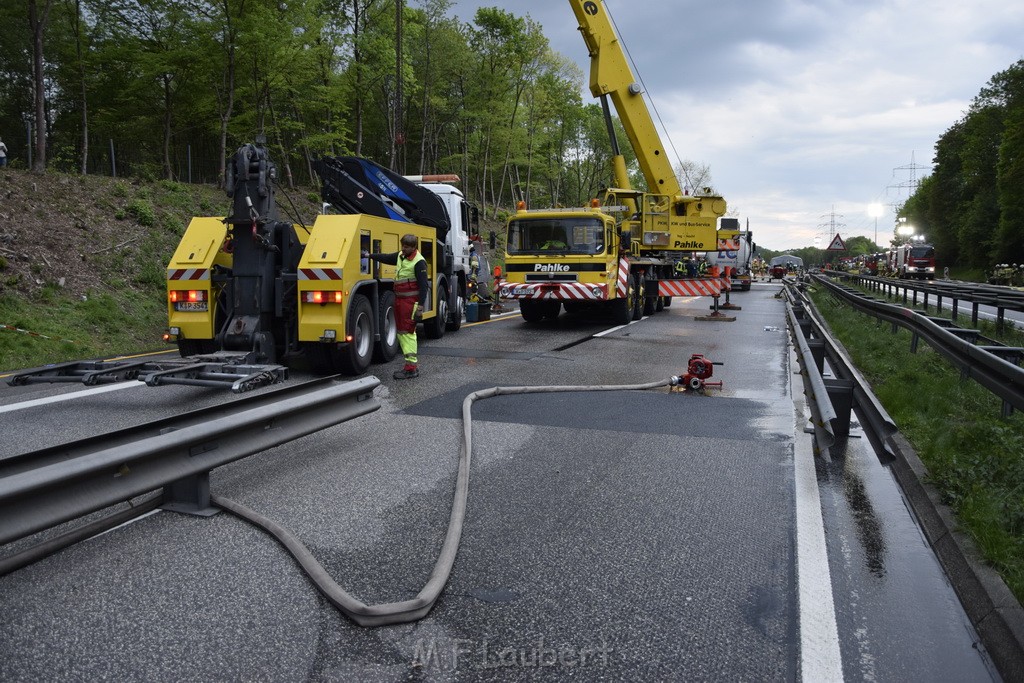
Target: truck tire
650, 302
638, 297
622, 311
386, 348
354, 357
551, 309
667, 301
434, 327
531, 310
457, 310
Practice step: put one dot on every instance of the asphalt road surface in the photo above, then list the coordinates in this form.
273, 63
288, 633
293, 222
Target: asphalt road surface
616, 536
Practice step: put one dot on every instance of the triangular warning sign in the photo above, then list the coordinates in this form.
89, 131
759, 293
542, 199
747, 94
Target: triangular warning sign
836, 244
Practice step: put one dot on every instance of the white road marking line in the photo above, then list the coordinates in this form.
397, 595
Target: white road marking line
67, 397
820, 656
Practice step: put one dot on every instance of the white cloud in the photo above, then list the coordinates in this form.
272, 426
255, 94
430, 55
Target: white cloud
799, 106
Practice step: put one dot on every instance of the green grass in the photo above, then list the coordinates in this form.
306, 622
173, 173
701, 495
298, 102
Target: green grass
104, 324
974, 457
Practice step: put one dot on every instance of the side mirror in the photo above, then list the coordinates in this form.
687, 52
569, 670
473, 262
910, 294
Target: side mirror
625, 237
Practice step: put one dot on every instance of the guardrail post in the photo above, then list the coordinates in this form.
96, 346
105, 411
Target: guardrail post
913, 342
840, 394
817, 347
189, 495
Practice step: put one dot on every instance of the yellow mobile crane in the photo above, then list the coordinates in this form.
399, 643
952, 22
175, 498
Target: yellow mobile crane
621, 251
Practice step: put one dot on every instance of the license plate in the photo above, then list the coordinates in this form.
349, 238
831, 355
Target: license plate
191, 306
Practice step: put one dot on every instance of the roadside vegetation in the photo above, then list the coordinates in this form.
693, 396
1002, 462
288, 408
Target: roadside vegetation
974, 457
83, 261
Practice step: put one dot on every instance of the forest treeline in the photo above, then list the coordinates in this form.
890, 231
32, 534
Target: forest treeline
971, 207
170, 88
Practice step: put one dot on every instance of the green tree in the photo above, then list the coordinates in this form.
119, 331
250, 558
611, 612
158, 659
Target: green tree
1010, 171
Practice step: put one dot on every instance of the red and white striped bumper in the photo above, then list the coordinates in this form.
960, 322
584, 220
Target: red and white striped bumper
557, 291
696, 287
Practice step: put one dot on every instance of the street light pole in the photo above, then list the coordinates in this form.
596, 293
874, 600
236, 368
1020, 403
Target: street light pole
875, 210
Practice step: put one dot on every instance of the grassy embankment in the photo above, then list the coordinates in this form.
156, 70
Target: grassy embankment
83, 265
974, 457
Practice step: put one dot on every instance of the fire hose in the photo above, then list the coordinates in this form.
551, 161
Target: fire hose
412, 610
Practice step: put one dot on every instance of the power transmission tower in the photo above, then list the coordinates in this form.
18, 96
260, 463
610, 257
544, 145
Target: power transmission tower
910, 184
831, 223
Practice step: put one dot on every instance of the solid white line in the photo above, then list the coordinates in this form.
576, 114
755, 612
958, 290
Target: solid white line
67, 397
820, 657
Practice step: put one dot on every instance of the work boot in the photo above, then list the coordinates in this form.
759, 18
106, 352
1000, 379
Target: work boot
406, 373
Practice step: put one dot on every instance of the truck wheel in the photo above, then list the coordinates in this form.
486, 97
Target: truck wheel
621, 310
434, 327
531, 310
387, 347
354, 357
551, 309
650, 302
457, 310
667, 300
638, 297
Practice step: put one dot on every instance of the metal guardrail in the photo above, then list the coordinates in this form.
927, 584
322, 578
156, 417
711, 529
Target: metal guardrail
40, 491
835, 398
987, 365
996, 296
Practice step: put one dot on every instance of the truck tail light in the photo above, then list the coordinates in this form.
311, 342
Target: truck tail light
318, 297
176, 295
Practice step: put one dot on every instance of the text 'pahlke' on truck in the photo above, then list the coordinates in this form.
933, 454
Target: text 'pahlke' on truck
272, 290
735, 250
621, 252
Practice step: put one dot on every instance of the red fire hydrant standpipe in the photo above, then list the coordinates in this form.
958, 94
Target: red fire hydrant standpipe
698, 371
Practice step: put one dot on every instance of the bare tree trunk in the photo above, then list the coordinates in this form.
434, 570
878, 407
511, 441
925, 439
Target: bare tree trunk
228, 95
168, 99
285, 158
357, 59
37, 24
77, 30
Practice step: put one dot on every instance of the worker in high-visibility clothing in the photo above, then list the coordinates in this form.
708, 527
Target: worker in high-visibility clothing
411, 287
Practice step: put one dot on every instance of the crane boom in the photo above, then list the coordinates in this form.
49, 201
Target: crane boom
667, 218
611, 77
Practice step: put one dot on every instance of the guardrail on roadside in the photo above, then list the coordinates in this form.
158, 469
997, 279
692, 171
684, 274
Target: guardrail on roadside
998, 297
992, 366
65, 483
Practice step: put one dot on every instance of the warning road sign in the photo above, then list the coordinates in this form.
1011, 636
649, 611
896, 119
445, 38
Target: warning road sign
836, 244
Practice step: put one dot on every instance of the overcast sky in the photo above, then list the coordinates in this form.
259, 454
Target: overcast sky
802, 107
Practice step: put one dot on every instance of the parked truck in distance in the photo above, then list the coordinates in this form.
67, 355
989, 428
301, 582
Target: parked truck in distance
735, 251
912, 261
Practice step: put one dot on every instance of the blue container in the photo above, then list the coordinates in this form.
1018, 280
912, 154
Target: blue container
478, 312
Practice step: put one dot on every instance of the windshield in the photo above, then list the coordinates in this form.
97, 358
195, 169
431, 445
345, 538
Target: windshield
922, 252
574, 235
